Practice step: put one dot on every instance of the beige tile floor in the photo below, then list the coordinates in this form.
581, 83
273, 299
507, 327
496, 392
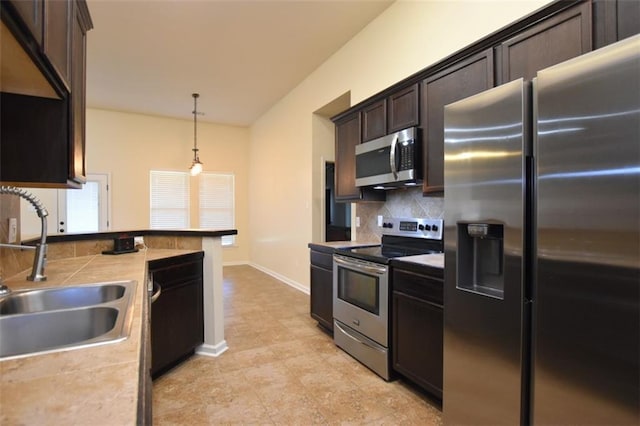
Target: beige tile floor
280, 368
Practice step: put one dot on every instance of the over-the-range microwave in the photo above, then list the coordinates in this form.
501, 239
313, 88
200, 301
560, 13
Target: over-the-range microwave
391, 161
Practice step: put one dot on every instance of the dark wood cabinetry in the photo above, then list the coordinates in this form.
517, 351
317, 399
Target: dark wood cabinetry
403, 108
177, 316
31, 13
77, 170
322, 288
58, 20
458, 81
560, 31
347, 137
614, 20
43, 130
374, 121
417, 326
562, 36
395, 112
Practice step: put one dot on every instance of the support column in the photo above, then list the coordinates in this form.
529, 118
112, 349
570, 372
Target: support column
214, 343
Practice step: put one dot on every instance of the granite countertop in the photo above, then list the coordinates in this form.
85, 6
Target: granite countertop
341, 244
94, 385
434, 260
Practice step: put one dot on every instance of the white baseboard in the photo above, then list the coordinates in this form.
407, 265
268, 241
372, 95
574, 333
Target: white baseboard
275, 275
236, 263
212, 350
282, 278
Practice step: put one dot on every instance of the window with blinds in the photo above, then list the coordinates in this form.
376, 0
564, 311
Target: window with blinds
217, 203
169, 200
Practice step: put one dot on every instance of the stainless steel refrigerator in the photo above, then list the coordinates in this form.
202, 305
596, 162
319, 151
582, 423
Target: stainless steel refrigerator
542, 247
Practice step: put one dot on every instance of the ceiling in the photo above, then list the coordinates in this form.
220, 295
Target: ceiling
240, 56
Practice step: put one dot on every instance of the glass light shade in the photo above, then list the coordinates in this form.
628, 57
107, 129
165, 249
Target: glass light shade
196, 167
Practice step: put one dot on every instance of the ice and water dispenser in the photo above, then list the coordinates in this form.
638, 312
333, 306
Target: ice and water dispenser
480, 258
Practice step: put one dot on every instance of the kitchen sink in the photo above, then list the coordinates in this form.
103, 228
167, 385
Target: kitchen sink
60, 298
62, 318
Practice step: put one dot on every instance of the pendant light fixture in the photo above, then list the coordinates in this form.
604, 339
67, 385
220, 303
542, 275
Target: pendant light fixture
196, 165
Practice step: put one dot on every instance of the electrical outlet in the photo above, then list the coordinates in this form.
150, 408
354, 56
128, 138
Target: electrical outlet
357, 221
138, 241
379, 220
13, 230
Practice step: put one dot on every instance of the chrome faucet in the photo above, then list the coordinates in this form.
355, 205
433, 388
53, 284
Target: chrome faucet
37, 272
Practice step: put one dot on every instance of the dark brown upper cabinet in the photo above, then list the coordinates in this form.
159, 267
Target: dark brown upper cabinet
395, 112
615, 20
348, 135
562, 36
403, 108
465, 78
562, 30
57, 37
42, 126
31, 13
374, 120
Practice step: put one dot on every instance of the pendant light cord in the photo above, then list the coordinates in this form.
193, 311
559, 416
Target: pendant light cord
195, 125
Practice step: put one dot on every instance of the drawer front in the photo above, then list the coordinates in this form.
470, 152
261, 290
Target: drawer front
178, 274
417, 285
322, 260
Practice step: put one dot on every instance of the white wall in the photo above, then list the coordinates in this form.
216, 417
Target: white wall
406, 38
130, 145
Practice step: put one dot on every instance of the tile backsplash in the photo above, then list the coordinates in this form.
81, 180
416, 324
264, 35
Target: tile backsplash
400, 203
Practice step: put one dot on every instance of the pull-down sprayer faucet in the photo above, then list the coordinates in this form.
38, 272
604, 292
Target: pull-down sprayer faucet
37, 272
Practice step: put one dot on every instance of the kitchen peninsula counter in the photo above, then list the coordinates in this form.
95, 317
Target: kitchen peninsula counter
93, 385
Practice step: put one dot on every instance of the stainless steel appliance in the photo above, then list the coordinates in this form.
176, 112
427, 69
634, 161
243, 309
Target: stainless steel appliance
390, 161
542, 247
361, 288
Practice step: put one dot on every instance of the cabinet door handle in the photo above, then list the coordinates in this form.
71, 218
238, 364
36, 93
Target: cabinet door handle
156, 293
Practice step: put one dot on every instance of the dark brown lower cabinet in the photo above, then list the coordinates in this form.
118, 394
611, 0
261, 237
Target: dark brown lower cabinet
177, 316
322, 288
417, 329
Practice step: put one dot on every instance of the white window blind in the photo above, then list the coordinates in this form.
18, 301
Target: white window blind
217, 203
169, 200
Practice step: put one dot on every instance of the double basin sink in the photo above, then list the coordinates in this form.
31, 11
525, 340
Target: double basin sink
62, 318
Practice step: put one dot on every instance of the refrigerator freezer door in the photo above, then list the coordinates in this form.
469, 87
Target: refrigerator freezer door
587, 293
486, 141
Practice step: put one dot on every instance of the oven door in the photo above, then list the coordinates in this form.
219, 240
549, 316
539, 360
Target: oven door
361, 296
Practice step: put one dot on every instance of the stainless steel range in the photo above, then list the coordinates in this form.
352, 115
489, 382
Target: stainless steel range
361, 288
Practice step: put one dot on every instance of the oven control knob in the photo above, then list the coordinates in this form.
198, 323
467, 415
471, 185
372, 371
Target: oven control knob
387, 225
434, 228
421, 227
427, 227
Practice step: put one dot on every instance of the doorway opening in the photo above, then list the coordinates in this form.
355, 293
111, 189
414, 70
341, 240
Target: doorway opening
84, 210
337, 215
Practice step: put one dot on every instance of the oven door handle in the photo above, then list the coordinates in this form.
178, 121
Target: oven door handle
378, 270
352, 337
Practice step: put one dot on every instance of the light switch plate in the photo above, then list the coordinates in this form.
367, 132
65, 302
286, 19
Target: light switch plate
13, 230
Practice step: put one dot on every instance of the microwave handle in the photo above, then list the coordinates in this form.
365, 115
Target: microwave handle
392, 157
